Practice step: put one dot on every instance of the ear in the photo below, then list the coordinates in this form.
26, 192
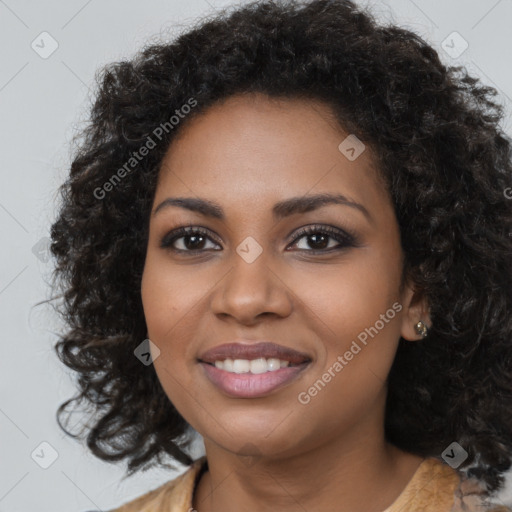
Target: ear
415, 309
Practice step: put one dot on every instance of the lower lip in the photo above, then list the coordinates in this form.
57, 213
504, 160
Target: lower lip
249, 385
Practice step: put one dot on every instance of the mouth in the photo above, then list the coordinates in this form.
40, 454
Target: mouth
253, 366
252, 370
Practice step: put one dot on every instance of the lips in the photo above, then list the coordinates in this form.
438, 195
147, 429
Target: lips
234, 384
252, 351
252, 386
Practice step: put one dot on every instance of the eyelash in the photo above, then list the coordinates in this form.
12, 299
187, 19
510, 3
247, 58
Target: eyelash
346, 238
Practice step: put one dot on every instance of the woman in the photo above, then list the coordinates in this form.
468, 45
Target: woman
287, 230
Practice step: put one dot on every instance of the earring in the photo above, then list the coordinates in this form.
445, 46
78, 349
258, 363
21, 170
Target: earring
421, 329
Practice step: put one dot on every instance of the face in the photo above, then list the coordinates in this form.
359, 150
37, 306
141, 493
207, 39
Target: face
251, 274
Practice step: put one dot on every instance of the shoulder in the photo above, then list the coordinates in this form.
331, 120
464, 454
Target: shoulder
437, 487
471, 495
175, 495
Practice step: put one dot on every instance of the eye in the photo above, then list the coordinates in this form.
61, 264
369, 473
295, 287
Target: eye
190, 239
195, 239
319, 239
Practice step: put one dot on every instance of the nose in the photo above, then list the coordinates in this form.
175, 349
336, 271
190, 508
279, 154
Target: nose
252, 291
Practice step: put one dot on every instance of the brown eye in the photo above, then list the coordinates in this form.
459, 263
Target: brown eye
187, 239
324, 239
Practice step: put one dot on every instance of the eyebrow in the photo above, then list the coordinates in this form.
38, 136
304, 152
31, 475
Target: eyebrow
291, 206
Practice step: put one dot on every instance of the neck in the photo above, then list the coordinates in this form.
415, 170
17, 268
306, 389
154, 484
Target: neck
358, 473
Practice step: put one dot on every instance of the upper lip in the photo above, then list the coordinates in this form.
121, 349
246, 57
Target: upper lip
252, 351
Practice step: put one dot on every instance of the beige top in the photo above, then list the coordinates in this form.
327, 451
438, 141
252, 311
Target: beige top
434, 487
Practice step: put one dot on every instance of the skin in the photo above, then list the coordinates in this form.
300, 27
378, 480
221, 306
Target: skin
273, 452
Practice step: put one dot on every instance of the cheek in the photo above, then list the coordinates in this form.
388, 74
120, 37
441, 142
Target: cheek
346, 298
162, 310
351, 311
358, 346
170, 294
169, 327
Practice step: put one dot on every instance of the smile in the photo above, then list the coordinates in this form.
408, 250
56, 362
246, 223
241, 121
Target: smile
238, 379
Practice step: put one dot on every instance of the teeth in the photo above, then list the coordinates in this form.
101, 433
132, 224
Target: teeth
258, 365
254, 366
241, 366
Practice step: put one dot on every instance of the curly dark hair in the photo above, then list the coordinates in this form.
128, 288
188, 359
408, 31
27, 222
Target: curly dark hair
446, 162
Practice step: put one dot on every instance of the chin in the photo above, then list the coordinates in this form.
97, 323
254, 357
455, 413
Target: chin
256, 443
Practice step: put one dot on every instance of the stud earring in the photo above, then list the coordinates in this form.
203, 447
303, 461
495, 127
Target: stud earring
421, 329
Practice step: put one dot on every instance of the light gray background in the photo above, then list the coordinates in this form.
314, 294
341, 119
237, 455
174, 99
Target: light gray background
42, 101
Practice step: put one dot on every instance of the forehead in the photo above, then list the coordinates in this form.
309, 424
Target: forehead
252, 148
